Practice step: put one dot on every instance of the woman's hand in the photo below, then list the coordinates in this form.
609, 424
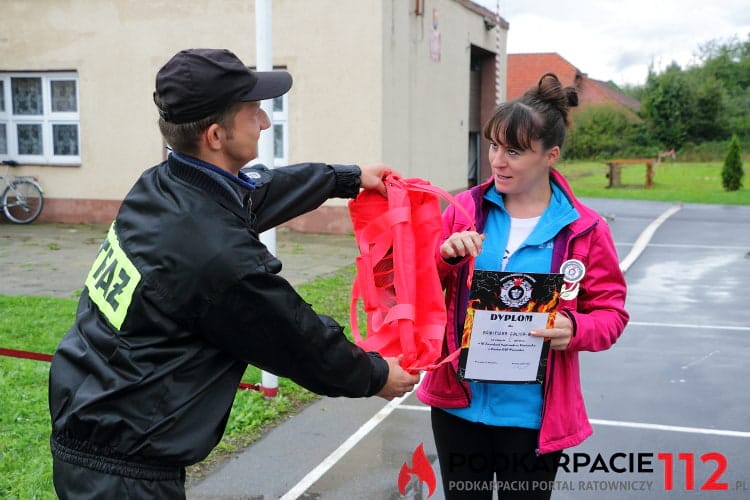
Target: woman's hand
462, 244
559, 335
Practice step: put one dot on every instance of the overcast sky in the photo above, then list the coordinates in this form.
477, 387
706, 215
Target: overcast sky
618, 39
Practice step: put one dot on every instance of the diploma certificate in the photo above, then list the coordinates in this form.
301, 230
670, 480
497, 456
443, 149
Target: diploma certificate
504, 308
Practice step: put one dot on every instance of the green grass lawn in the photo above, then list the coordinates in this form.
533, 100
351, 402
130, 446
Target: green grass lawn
678, 182
37, 324
31, 324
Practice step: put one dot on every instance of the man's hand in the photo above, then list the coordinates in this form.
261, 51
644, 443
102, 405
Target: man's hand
462, 244
372, 176
399, 381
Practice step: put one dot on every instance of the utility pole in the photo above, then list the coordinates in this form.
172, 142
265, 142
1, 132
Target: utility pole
269, 384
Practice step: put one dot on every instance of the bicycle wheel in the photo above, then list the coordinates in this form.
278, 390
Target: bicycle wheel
22, 202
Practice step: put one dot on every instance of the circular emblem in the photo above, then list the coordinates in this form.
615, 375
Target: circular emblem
253, 174
515, 290
572, 271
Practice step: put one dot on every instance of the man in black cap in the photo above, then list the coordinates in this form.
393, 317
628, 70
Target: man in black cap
183, 295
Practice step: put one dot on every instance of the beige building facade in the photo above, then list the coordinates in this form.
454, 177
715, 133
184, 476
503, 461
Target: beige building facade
406, 82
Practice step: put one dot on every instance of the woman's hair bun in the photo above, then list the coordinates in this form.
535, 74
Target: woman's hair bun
550, 91
572, 96
541, 113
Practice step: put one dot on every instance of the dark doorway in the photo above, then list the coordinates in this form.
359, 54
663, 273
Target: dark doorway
481, 106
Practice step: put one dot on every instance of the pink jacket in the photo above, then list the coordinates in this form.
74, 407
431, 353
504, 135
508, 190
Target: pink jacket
597, 313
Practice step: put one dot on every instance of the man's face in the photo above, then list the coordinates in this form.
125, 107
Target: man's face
241, 140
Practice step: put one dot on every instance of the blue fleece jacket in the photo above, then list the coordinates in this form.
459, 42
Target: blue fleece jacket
515, 405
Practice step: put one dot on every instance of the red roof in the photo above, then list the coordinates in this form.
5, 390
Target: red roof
524, 71
599, 92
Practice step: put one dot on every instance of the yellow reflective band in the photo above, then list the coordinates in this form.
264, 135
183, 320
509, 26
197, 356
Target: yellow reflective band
112, 280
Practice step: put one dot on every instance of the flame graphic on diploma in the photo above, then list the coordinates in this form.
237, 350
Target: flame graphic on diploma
421, 468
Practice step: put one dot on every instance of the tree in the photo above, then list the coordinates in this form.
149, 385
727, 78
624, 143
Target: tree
731, 172
637, 92
706, 116
604, 131
704, 102
666, 106
729, 61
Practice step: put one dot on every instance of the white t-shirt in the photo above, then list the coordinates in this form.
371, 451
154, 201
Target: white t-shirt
520, 229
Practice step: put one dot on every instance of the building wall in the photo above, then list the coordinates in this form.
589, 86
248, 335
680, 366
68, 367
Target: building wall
116, 47
426, 101
332, 49
365, 88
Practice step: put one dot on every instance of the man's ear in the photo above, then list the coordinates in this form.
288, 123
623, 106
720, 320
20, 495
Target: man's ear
213, 136
552, 155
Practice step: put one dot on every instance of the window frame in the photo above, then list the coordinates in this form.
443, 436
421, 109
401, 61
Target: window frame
281, 119
48, 119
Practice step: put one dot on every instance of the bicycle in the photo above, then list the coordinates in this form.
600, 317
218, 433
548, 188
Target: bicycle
23, 197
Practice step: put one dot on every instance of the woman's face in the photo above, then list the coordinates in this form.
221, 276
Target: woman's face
517, 171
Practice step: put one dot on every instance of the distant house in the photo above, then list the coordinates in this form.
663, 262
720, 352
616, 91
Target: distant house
524, 71
402, 82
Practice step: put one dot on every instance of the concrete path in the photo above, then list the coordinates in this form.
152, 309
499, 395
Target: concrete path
53, 259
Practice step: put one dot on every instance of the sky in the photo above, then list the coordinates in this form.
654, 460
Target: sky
618, 39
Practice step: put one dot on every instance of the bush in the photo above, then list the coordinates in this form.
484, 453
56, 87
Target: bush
705, 151
605, 132
731, 173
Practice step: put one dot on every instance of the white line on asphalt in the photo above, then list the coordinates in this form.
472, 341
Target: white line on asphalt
686, 326
699, 360
645, 237
414, 408
688, 246
671, 428
702, 247
636, 425
342, 450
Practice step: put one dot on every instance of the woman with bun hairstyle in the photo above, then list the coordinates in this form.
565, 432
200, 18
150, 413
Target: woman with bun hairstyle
527, 220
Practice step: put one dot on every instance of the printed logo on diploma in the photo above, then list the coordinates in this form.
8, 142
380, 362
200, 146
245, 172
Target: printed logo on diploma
496, 345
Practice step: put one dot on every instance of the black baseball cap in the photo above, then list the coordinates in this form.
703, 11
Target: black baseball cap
195, 83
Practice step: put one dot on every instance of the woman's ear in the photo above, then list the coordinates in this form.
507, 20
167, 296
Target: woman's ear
552, 155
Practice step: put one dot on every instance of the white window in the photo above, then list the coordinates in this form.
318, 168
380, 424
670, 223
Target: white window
280, 131
39, 118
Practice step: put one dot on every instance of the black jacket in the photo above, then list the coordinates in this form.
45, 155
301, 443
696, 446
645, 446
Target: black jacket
181, 297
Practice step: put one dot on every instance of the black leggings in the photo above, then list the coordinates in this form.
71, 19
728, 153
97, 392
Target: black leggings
471, 454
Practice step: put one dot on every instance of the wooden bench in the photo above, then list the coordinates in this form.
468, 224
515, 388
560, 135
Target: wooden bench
615, 171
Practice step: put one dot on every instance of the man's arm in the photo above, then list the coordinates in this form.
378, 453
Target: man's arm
287, 192
263, 321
